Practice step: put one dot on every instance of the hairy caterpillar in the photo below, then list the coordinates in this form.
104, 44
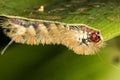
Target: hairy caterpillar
78, 37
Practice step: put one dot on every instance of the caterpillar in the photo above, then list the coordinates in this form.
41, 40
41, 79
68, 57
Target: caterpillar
78, 37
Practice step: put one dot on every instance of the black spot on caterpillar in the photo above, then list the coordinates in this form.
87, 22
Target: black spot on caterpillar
79, 37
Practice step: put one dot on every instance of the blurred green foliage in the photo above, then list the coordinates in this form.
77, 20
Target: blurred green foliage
56, 62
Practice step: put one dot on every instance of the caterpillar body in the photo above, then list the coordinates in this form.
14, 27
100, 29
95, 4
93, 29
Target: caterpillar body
79, 37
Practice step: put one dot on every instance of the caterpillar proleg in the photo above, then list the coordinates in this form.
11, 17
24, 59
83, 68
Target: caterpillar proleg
79, 37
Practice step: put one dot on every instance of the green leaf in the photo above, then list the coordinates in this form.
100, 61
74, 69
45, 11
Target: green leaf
102, 15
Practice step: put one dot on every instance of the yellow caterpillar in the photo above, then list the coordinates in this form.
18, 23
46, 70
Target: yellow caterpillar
78, 37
